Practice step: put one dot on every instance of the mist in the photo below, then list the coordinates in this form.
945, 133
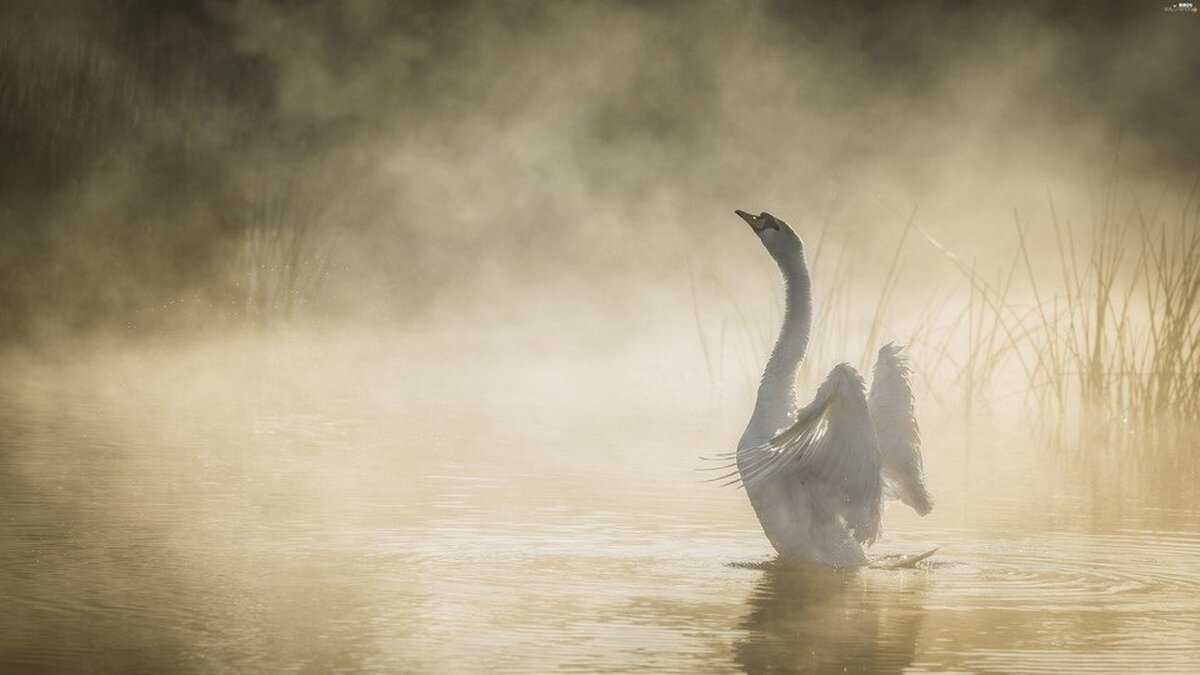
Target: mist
450, 158
326, 326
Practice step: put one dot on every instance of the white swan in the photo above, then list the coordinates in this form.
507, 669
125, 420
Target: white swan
816, 475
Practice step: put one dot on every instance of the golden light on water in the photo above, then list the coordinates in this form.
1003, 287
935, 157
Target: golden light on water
387, 336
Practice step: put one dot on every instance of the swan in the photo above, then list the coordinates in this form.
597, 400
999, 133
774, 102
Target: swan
816, 475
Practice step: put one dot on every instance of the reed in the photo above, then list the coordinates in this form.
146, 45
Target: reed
290, 238
1103, 346
1093, 339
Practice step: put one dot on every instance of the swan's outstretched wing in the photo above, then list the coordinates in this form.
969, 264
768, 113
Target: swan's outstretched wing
894, 415
831, 449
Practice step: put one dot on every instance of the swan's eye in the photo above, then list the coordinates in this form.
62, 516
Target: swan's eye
767, 221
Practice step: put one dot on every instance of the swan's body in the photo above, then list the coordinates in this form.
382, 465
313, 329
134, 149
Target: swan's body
816, 475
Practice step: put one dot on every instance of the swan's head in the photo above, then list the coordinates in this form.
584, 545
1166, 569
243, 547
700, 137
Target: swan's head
777, 236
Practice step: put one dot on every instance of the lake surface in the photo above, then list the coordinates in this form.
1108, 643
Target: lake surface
253, 515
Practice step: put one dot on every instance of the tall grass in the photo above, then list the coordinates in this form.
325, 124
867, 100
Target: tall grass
290, 238
130, 139
57, 97
1092, 335
1102, 343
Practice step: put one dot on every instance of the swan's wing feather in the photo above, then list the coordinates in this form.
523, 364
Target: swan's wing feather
893, 413
832, 444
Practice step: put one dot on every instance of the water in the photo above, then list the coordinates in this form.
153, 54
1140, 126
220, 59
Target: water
243, 517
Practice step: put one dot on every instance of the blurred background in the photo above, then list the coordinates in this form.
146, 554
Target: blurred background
177, 165
325, 327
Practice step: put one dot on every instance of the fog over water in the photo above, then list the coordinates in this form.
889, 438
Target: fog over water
385, 335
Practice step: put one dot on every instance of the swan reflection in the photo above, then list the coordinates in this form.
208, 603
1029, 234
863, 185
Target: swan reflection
815, 619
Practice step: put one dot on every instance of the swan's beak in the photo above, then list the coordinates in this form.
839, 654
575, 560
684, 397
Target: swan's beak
758, 223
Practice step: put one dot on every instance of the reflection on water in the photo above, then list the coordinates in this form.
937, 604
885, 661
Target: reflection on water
153, 526
816, 620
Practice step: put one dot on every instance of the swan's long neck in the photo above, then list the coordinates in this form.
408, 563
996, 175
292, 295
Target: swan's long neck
775, 407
